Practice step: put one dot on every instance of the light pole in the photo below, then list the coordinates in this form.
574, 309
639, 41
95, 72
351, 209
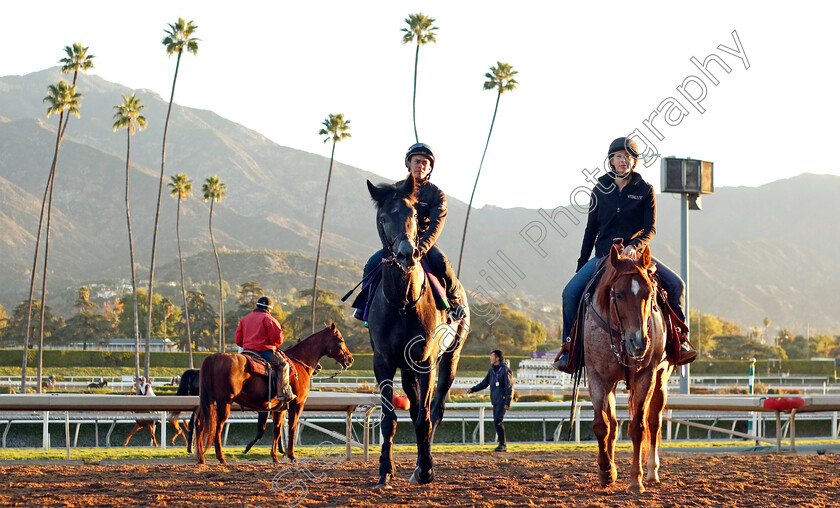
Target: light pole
690, 178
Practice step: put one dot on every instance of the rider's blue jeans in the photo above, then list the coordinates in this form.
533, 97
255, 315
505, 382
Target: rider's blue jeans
671, 282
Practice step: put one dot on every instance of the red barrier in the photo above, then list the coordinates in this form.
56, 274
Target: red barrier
784, 404
401, 402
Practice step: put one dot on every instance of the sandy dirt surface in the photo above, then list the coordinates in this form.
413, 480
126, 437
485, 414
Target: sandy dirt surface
474, 479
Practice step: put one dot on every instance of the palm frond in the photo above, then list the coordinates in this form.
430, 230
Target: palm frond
420, 27
77, 58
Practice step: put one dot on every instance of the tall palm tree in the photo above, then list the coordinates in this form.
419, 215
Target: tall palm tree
420, 29
214, 190
335, 129
64, 100
500, 78
178, 39
77, 59
181, 188
128, 117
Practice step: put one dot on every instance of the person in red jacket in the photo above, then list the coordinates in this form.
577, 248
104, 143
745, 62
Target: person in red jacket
259, 331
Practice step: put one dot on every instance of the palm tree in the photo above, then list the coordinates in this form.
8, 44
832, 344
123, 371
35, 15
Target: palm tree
335, 129
77, 59
181, 188
62, 99
214, 190
419, 28
128, 117
178, 38
501, 78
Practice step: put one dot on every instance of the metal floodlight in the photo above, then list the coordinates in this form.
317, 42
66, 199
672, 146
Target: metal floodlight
687, 176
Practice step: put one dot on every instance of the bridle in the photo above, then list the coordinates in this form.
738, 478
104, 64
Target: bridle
616, 334
390, 258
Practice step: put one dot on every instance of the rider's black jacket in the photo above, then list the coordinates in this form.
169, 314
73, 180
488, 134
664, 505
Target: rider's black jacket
629, 214
431, 213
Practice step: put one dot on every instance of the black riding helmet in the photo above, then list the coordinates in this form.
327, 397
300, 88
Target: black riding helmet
265, 303
628, 145
424, 150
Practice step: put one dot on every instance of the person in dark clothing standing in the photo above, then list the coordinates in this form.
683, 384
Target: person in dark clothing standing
623, 205
500, 381
431, 215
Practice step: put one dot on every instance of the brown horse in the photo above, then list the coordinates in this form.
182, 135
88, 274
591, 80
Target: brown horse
150, 422
225, 379
624, 338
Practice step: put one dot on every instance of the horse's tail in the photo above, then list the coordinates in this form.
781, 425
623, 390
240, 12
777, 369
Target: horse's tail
206, 422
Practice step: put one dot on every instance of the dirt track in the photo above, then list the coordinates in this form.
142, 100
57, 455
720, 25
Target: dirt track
476, 479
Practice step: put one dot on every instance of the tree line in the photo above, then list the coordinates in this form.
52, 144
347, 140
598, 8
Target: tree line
64, 99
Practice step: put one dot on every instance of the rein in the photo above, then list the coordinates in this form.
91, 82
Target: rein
390, 258
615, 335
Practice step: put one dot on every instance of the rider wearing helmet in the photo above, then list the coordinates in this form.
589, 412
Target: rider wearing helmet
260, 332
431, 214
622, 206
144, 387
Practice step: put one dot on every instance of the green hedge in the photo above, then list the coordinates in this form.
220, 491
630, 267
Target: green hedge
763, 368
364, 362
467, 363
60, 358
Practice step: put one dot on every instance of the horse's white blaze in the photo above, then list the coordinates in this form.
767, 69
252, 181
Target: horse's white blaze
635, 287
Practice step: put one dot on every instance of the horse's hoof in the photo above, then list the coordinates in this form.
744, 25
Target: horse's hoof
418, 478
608, 477
637, 489
382, 486
223, 462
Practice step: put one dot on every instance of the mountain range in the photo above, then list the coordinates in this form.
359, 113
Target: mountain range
756, 252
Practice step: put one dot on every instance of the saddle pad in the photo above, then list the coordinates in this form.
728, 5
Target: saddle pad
438, 291
256, 364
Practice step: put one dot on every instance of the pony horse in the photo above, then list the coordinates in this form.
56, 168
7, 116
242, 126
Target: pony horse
624, 338
225, 378
408, 332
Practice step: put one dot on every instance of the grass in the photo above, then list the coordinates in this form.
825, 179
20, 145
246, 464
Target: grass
262, 453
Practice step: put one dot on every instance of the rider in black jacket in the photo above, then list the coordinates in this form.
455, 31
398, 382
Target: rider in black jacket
431, 215
622, 206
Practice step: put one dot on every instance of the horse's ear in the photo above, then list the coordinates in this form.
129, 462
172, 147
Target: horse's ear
614, 254
409, 185
644, 261
377, 192
332, 326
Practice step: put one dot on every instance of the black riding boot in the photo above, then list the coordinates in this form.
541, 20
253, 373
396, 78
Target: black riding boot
562, 363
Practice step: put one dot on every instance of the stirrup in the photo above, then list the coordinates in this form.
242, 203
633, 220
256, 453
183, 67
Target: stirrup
687, 355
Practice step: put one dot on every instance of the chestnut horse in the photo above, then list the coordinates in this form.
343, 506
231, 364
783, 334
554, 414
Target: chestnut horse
225, 379
624, 339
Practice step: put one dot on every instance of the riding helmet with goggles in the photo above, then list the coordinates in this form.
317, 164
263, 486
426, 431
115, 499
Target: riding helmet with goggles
626, 144
420, 149
264, 303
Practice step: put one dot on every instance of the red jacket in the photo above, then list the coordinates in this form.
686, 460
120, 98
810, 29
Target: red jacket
259, 331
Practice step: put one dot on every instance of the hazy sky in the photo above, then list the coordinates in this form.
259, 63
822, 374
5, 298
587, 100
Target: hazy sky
588, 72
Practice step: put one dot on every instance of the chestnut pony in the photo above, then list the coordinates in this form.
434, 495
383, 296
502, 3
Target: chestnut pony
624, 339
225, 379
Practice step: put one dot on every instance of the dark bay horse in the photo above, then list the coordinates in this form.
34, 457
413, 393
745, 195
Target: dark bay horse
187, 385
225, 379
408, 332
624, 339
